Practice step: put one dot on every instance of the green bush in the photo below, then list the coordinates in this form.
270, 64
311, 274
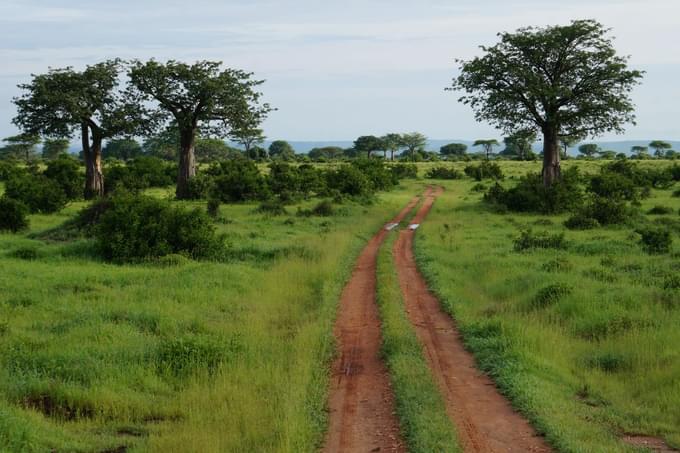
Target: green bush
614, 185
132, 228
404, 170
484, 170
12, 215
348, 180
139, 174
25, 253
529, 240
213, 207
237, 180
660, 210
608, 211
201, 186
530, 195
323, 209
550, 295
7, 169
442, 172
271, 207
581, 221
65, 171
655, 239
39, 193
377, 172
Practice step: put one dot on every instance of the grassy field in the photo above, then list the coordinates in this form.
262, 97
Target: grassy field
584, 341
176, 355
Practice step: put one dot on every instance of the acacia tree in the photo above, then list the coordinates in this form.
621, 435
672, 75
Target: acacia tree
54, 147
519, 144
413, 142
660, 147
589, 149
200, 97
22, 145
453, 149
64, 101
368, 143
567, 141
559, 80
247, 131
640, 151
487, 145
392, 143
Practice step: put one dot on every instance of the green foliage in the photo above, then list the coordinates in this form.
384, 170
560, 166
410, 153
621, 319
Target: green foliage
12, 215
140, 173
454, 149
348, 180
404, 170
122, 148
529, 240
39, 193
281, 149
442, 172
484, 170
237, 180
181, 357
549, 295
660, 210
377, 172
607, 211
531, 195
322, 209
271, 207
54, 148
581, 221
655, 239
131, 228
65, 171
213, 207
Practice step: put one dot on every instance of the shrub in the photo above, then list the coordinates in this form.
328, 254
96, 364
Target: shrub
581, 221
484, 170
541, 240
271, 207
238, 180
322, 209
479, 187
25, 253
378, 174
284, 180
7, 169
139, 174
132, 228
655, 240
37, 192
65, 171
403, 170
614, 185
530, 195
213, 207
12, 215
660, 210
442, 172
676, 193
201, 187
607, 211
549, 295
558, 264
348, 180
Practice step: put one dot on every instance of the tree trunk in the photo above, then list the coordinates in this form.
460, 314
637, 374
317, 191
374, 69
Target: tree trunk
392, 154
92, 155
551, 157
187, 163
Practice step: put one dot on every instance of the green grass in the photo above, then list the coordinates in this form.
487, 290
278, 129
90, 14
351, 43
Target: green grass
584, 341
422, 415
177, 355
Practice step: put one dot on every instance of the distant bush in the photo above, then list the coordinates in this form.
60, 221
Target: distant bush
348, 180
442, 172
484, 170
403, 170
607, 211
581, 221
529, 240
323, 209
132, 227
37, 192
201, 187
238, 180
377, 172
12, 215
213, 207
660, 210
271, 207
549, 295
65, 171
530, 195
139, 174
655, 239
479, 187
614, 185
25, 253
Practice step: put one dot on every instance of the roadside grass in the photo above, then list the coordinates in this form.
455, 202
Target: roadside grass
583, 341
174, 354
420, 408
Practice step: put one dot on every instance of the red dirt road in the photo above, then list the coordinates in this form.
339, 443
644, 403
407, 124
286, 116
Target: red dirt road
484, 419
361, 401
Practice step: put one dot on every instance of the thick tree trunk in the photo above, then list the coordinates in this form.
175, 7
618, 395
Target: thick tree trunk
551, 157
92, 155
392, 154
187, 163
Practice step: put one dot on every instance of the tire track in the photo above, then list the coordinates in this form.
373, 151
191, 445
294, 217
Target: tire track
484, 419
361, 402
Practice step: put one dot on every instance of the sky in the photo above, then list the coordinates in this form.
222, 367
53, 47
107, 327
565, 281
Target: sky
338, 69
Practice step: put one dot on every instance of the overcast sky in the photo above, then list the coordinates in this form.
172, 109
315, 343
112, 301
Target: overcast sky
338, 69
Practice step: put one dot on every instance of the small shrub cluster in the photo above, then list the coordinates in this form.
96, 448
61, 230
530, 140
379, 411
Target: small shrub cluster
484, 170
655, 239
323, 209
530, 195
140, 173
529, 240
37, 192
581, 221
13, 215
607, 211
237, 180
404, 170
549, 295
132, 227
442, 172
271, 207
660, 210
65, 172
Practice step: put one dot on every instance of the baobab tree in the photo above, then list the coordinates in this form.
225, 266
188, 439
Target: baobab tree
559, 80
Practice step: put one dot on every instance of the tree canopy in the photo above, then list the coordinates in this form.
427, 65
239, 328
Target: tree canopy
559, 80
454, 149
487, 145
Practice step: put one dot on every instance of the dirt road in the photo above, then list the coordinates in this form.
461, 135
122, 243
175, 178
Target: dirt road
484, 419
361, 402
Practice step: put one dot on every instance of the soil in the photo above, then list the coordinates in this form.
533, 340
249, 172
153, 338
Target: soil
484, 419
361, 402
